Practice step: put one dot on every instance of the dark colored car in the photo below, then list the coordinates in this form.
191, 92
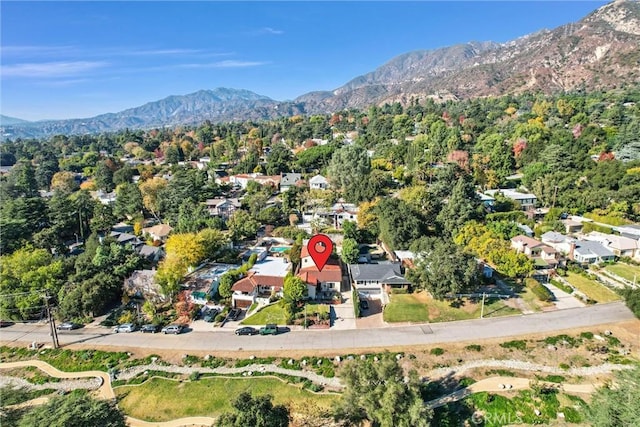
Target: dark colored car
234, 314
172, 329
269, 329
149, 329
364, 304
210, 315
247, 330
5, 323
68, 326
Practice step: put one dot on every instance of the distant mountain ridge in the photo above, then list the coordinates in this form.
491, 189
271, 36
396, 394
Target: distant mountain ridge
6, 120
601, 51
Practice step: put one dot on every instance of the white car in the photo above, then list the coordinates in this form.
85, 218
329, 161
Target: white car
125, 327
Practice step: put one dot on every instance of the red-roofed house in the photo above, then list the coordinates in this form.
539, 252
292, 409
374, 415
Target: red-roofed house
254, 286
320, 284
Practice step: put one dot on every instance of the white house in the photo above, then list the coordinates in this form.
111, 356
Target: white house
375, 279
527, 200
288, 180
320, 284
318, 182
620, 246
558, 241
265, 278
590, 252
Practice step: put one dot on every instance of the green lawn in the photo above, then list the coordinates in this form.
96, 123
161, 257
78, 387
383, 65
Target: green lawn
406, 308
275, 314
422, 308
626, 271
591, 288
271, 314
162, 400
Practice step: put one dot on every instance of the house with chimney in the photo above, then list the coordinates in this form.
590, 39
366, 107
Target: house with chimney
558, 241
544, 257
318, 182
590, 252
377, 279
222, 207
289, 180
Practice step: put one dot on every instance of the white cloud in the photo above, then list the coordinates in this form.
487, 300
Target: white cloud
269, 30
50, 69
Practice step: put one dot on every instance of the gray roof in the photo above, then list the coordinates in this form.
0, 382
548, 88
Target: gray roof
553, 236
385, 273
587, 247
288, 179
125, 238
149, 251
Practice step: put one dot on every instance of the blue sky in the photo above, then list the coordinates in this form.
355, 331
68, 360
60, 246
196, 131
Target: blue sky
80, 59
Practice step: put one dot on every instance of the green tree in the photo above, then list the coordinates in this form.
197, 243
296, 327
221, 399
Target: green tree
77, 409
350, 251
279, 159
241, 225
382, 393
128, 200
616, 404
348, 165
399, 224
104, 177
463, 205
23, 178
256, 411
226, 283
295, 290
442, 268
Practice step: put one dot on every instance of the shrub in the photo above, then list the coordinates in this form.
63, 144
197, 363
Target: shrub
195, 376
517, 344
356, 302
474, 347
437, 351
538, 289
220, 317
587, 335
564, 366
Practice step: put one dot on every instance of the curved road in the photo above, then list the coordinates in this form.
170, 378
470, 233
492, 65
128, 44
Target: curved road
225, 340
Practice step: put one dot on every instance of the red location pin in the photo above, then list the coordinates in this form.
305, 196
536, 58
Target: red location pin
320, 248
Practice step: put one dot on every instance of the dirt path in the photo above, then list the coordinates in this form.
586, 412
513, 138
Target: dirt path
105, 390
501, 384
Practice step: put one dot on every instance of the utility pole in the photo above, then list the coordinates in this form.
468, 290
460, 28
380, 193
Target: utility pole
52, 323
482, 308
555, 191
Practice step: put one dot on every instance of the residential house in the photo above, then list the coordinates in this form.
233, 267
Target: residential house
241, 180
142, 284
590, 252
544, 257
150, 253
288, 180
320, 284
337, 214
558, 241
126, 239
620, 246
486, 200
248, 289
630, 231
571, 226
527, 201
406, 258
158, 232
375, 279
318, 182
265, 278
104, 198
525, 229
222, 207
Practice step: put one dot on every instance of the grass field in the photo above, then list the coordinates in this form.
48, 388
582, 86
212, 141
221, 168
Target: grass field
422, 308
626, 271
162, 400
591, 288
276, 314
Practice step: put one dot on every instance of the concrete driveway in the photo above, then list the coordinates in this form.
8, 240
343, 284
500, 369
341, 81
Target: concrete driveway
562, 299
342, 315
371, 318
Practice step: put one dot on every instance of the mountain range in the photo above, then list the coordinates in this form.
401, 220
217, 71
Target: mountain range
601, 51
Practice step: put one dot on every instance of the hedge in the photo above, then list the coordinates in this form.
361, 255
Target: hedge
356, 302
539, 289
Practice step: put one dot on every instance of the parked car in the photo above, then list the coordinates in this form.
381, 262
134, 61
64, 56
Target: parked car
247, 330
149, 328
172, 329
5, 323
234, 314
210, 315
67, 326
364, 304
125, 327
269, 329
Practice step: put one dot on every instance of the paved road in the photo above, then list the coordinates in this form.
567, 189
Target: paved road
223, 340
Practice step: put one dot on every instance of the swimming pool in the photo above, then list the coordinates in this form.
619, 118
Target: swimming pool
278, 249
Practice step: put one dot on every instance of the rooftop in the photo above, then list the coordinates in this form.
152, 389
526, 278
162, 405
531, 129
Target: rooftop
272, 266
587, 247
386, 273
